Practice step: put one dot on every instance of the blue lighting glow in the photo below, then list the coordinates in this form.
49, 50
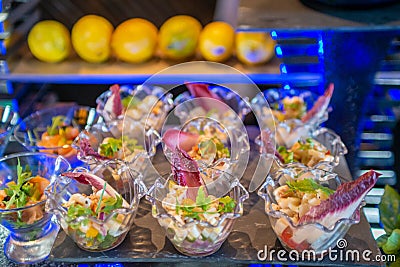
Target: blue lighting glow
320, 47
278, 51
394, 94
287, 87
274, 35
283, 68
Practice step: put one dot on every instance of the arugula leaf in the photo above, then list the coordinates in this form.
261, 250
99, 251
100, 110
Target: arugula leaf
226, 204
76, 210
56, 123
130, 102
392, 246
17, 196
389, 209
308, 185
111, 147
202, 200
287, 156
111, 204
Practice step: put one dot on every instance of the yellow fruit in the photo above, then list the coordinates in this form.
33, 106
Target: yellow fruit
49, 41
254, 47
216, 41
178, 37
134, 40
91, 37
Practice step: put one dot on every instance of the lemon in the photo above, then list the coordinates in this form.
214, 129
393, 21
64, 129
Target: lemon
49, 41
178, 37
134, 40
91, 37
254, 47
216, 41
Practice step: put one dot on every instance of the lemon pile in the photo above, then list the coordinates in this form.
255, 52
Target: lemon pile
136, 40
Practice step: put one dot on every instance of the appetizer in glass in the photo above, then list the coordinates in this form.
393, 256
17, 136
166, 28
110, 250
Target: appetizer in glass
53, 130
310, 209
196, 209
144, 104
292, 114
24, 178
96, 213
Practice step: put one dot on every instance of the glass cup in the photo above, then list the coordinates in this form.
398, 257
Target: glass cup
314, 236
32, 233
105, 231
197, 237
31, 131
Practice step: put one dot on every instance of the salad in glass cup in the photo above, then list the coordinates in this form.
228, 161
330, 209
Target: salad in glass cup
322, 149
24, 178
144, 104
291, 113
197, 209
310, 209
216, 102
53, 130
99, 144
96, 208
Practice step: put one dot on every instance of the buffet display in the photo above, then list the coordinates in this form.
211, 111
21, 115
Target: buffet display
197, 202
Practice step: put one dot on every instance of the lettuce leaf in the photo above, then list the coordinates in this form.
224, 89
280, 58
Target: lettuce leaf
389, 210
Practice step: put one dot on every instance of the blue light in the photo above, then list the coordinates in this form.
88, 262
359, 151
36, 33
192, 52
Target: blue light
320, 47
283, 68
287, 87
278, 51
274, 35
394, 94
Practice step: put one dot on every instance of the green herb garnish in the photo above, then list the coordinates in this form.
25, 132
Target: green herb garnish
288, 156
15, 191
130, 102
389, 211
308, 185
225, 205
56, 123
111, 147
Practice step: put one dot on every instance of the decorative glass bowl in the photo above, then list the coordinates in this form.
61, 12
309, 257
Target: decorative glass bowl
8, 119
91, 142
328, 138
197, 237
304, 236
104, 231
32, 233
149, 105
32, 130
229, 113
288, 130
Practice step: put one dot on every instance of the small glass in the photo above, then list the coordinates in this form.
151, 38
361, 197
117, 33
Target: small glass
30, 131
112, 229
328, 138
150, 107
198, 237
8, 119
306, 236
30, 242
288, 131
